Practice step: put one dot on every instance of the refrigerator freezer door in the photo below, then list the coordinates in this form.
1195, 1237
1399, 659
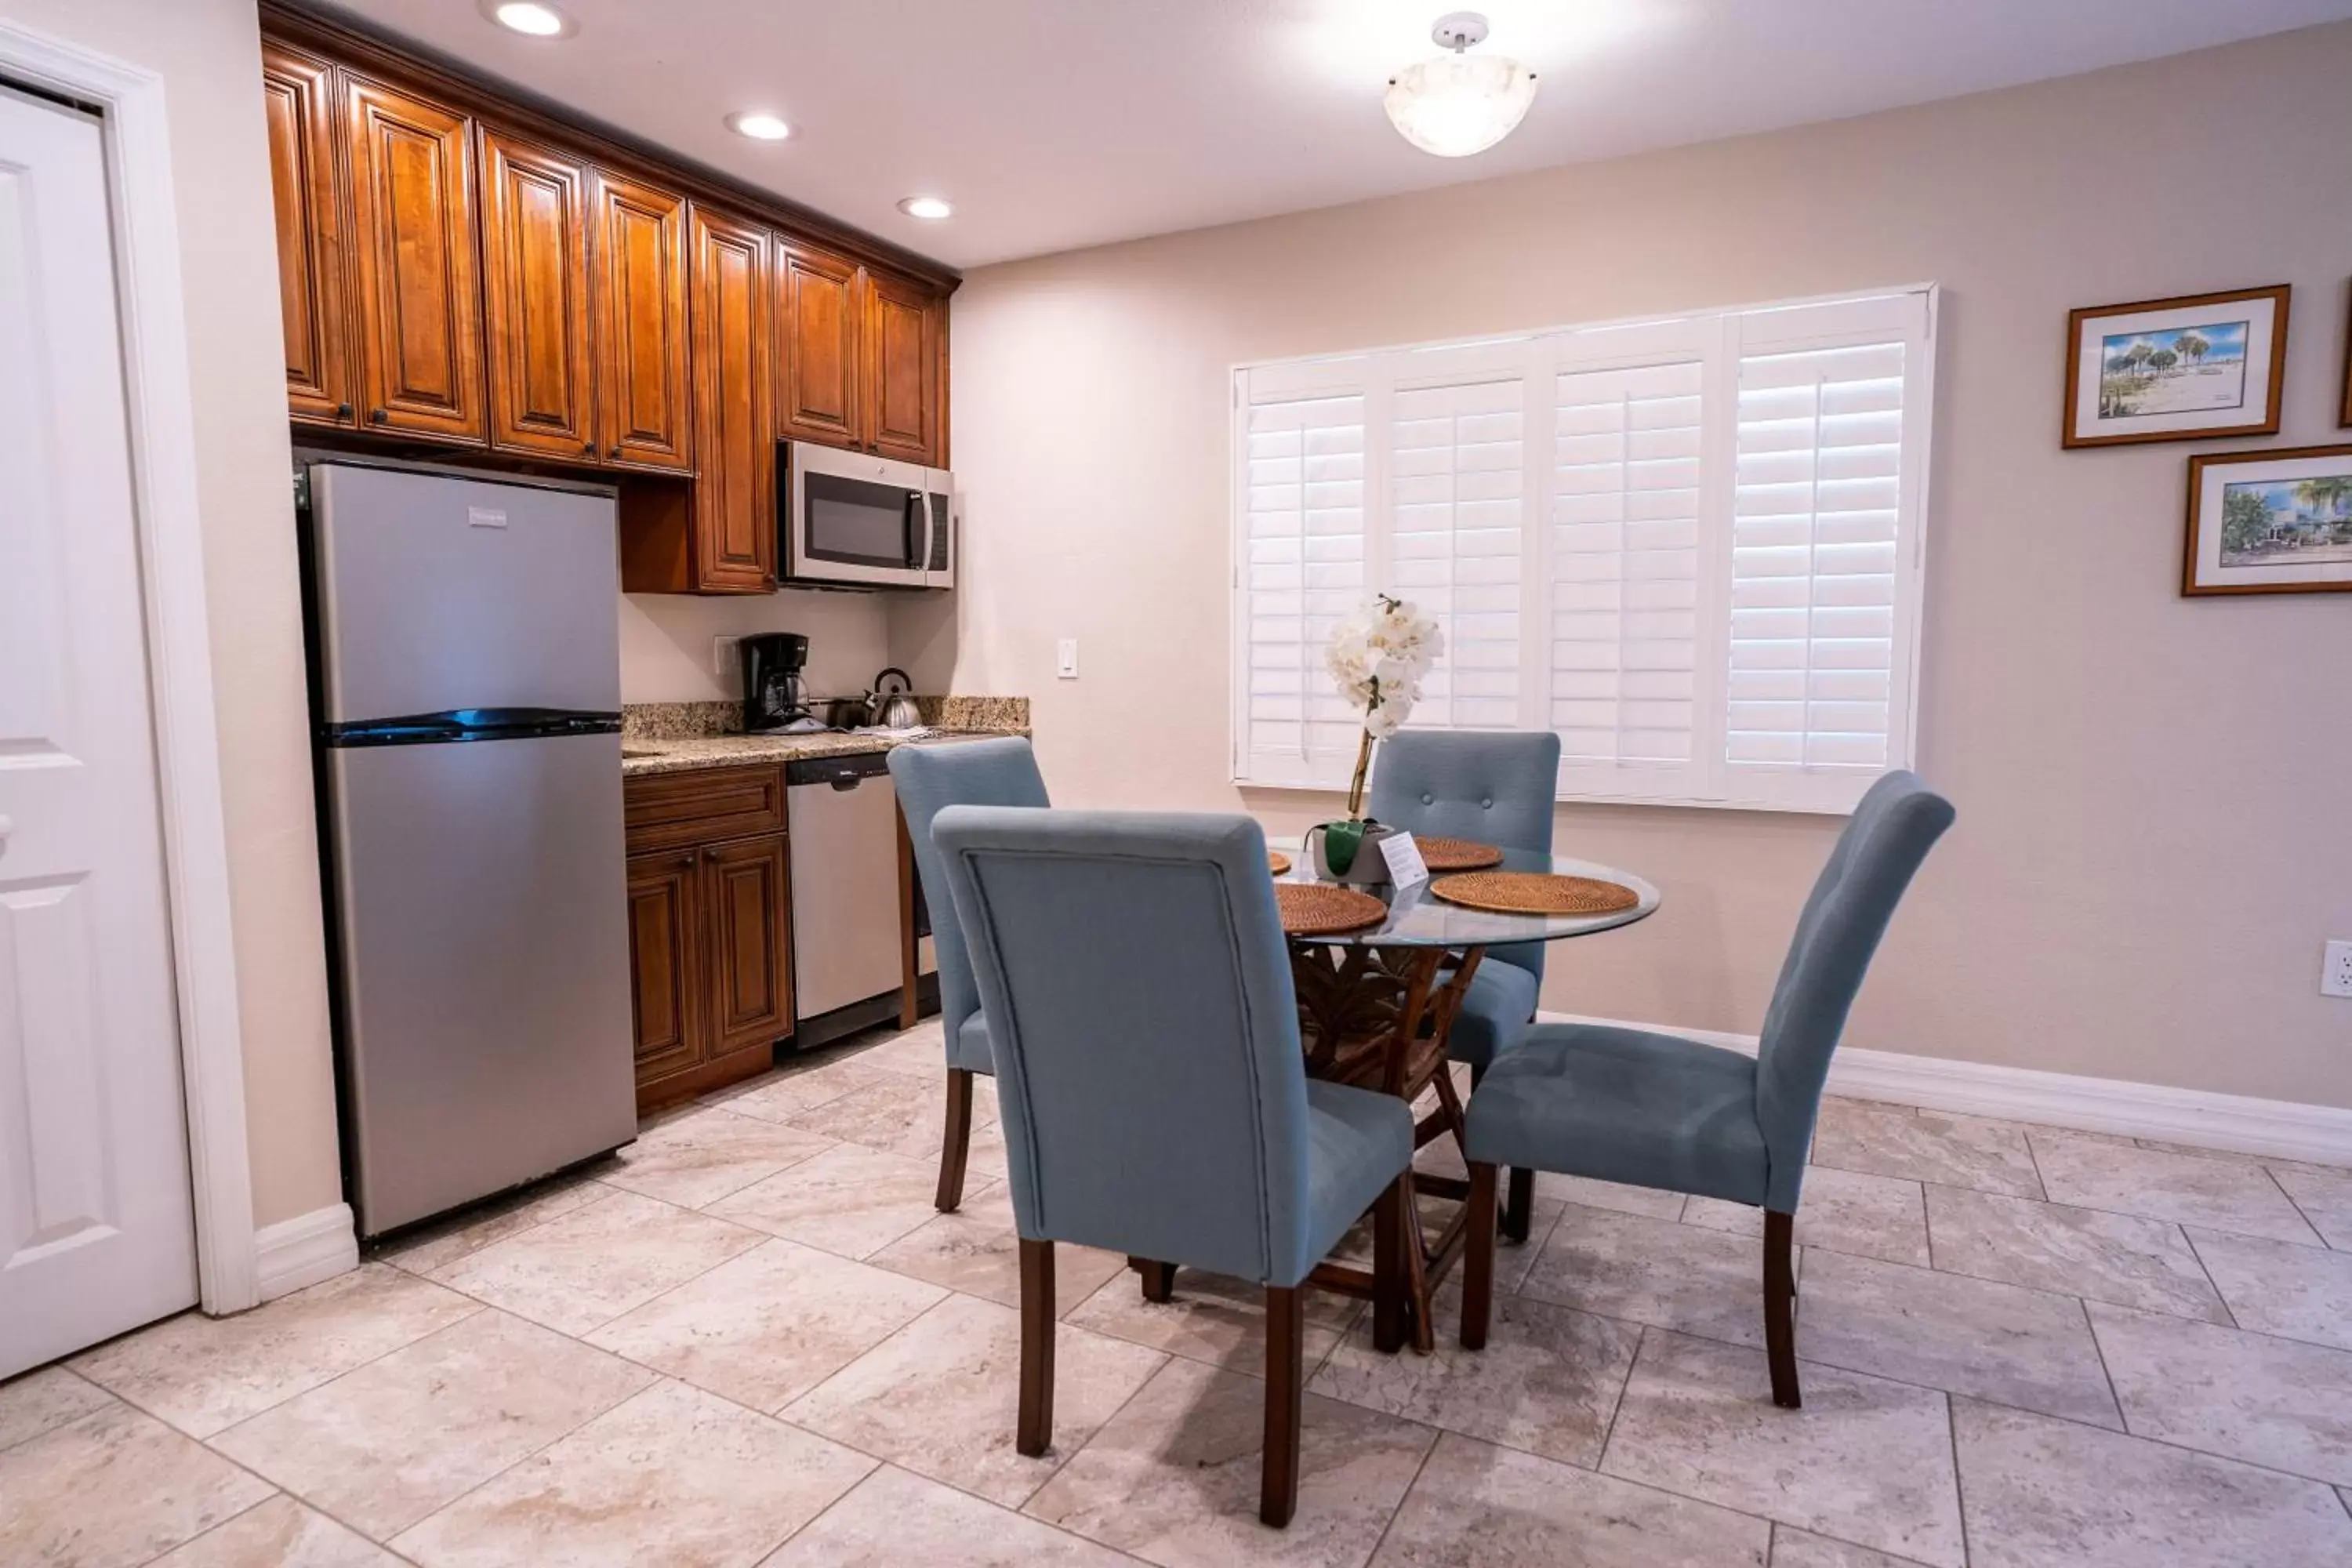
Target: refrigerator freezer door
484, 967
437, 593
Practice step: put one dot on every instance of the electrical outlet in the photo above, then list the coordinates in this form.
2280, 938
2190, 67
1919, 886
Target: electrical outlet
1066, 662
724, 659
2336, 969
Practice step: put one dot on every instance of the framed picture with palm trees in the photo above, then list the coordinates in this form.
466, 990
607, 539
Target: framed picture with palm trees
2184, 369
2270, 522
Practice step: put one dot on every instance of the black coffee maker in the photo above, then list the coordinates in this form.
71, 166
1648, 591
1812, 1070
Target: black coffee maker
773, 692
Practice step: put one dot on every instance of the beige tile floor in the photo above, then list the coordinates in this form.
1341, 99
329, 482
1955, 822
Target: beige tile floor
748, 1340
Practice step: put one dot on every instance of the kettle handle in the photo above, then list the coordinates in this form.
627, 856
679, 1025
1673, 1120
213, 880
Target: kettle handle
906, 683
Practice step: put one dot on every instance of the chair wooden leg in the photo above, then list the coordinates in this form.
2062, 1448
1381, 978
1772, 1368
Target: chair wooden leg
1286, 1368
1519, 1210
1479, 1258
1388, 1241
1035, 1431
1780, 1316
953, 1152
1159, 1279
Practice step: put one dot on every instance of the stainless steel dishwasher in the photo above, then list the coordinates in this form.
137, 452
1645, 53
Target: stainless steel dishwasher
843, 819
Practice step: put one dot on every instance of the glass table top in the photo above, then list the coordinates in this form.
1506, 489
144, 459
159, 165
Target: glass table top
1418, 918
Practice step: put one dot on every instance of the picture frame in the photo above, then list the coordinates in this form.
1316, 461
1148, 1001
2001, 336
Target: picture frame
2275, 522
2189, 368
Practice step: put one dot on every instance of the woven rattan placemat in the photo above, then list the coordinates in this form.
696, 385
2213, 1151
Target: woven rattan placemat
1534, 893
1457, 854
1276, 862
1319, 909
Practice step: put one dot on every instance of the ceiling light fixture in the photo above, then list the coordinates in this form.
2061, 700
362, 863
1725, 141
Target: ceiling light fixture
928, 208
759, 125
532, 18
1458, 104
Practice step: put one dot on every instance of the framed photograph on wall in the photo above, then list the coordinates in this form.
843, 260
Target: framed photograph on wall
2176, 370
2270, 522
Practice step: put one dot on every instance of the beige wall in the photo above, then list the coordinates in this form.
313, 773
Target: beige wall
665, 641
2147, 859
208, 52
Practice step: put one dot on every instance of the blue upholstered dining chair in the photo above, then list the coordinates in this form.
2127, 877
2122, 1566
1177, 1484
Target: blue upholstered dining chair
1496, 787
929, 779
1657, 1111
1134, 973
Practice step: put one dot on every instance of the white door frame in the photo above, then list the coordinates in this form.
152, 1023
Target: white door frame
179, 647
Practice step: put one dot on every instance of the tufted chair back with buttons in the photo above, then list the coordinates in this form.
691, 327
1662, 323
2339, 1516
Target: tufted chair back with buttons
1496, 787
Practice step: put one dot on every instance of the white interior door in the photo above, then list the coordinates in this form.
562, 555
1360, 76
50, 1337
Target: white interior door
97, 1227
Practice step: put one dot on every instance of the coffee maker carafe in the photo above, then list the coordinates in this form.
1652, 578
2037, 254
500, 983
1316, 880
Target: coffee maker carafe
773, 692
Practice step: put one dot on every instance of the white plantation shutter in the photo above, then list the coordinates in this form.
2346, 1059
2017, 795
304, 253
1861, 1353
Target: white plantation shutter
1822, 560
1625, 568
1303, 574
1454, 511
1691, 547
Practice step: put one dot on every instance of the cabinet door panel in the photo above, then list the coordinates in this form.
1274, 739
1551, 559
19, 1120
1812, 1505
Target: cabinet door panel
747, 882
535, 278
819, 342
298, 108
641, 324
665, 963
420, 308
902, 370
734, 428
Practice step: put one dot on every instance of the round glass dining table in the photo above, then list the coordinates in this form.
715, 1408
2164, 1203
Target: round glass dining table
1376, 1007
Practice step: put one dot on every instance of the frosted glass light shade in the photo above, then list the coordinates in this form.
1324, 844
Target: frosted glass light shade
1459, 104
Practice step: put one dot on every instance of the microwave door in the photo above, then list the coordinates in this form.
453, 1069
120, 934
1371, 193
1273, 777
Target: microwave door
851, 529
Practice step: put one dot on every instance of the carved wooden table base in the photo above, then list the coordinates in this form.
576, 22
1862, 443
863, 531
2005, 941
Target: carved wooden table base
1378, 1018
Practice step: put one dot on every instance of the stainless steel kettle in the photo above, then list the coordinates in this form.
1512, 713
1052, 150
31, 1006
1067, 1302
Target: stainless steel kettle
892, 706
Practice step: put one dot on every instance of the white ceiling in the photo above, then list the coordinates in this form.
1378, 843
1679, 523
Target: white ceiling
1054, 123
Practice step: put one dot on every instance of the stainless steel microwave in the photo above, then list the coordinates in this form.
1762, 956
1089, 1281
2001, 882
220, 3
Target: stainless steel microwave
851, 520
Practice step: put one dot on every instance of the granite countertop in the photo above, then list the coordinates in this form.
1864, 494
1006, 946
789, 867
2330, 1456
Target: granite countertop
669, 738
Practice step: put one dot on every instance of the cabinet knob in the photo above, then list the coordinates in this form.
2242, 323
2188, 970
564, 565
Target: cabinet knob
613, 450
343, 410
378, 417
588, 449
685, 862
710, 854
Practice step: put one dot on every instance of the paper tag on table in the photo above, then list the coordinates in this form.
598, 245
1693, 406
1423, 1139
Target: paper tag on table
1405, 864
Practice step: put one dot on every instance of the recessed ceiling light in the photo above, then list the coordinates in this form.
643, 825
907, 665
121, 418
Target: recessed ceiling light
759, 125
1459, 103
533, 19
929, 207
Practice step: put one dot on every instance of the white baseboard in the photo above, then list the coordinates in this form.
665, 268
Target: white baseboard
305, 1251
2277, 1128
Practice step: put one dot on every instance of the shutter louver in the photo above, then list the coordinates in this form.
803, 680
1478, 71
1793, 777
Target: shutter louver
1455, 502
1304, 573
1625, 564
1815, 512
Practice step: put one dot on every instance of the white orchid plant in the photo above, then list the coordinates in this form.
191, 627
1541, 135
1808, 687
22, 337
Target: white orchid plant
1378, 659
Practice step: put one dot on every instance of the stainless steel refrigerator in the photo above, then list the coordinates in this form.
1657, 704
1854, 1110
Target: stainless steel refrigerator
466, 686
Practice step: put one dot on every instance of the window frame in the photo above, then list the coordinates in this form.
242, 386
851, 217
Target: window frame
1720, 338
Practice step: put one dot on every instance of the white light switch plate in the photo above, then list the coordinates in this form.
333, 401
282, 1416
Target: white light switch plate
724, 659
2336, 969
1065, 659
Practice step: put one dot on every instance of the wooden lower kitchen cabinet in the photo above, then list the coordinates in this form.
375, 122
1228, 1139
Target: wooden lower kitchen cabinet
709, 928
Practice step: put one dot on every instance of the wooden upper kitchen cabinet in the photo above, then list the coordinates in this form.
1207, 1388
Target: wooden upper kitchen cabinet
643, 390
536, 297
419, 307
299, 110
902, 378
820, 391
734, 522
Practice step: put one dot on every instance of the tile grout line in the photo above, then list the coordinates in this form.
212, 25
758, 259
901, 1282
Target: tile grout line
1437, 1435
1609, 1435
1959, 1488
2309, 1223
2226, 1311
2091, 1326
